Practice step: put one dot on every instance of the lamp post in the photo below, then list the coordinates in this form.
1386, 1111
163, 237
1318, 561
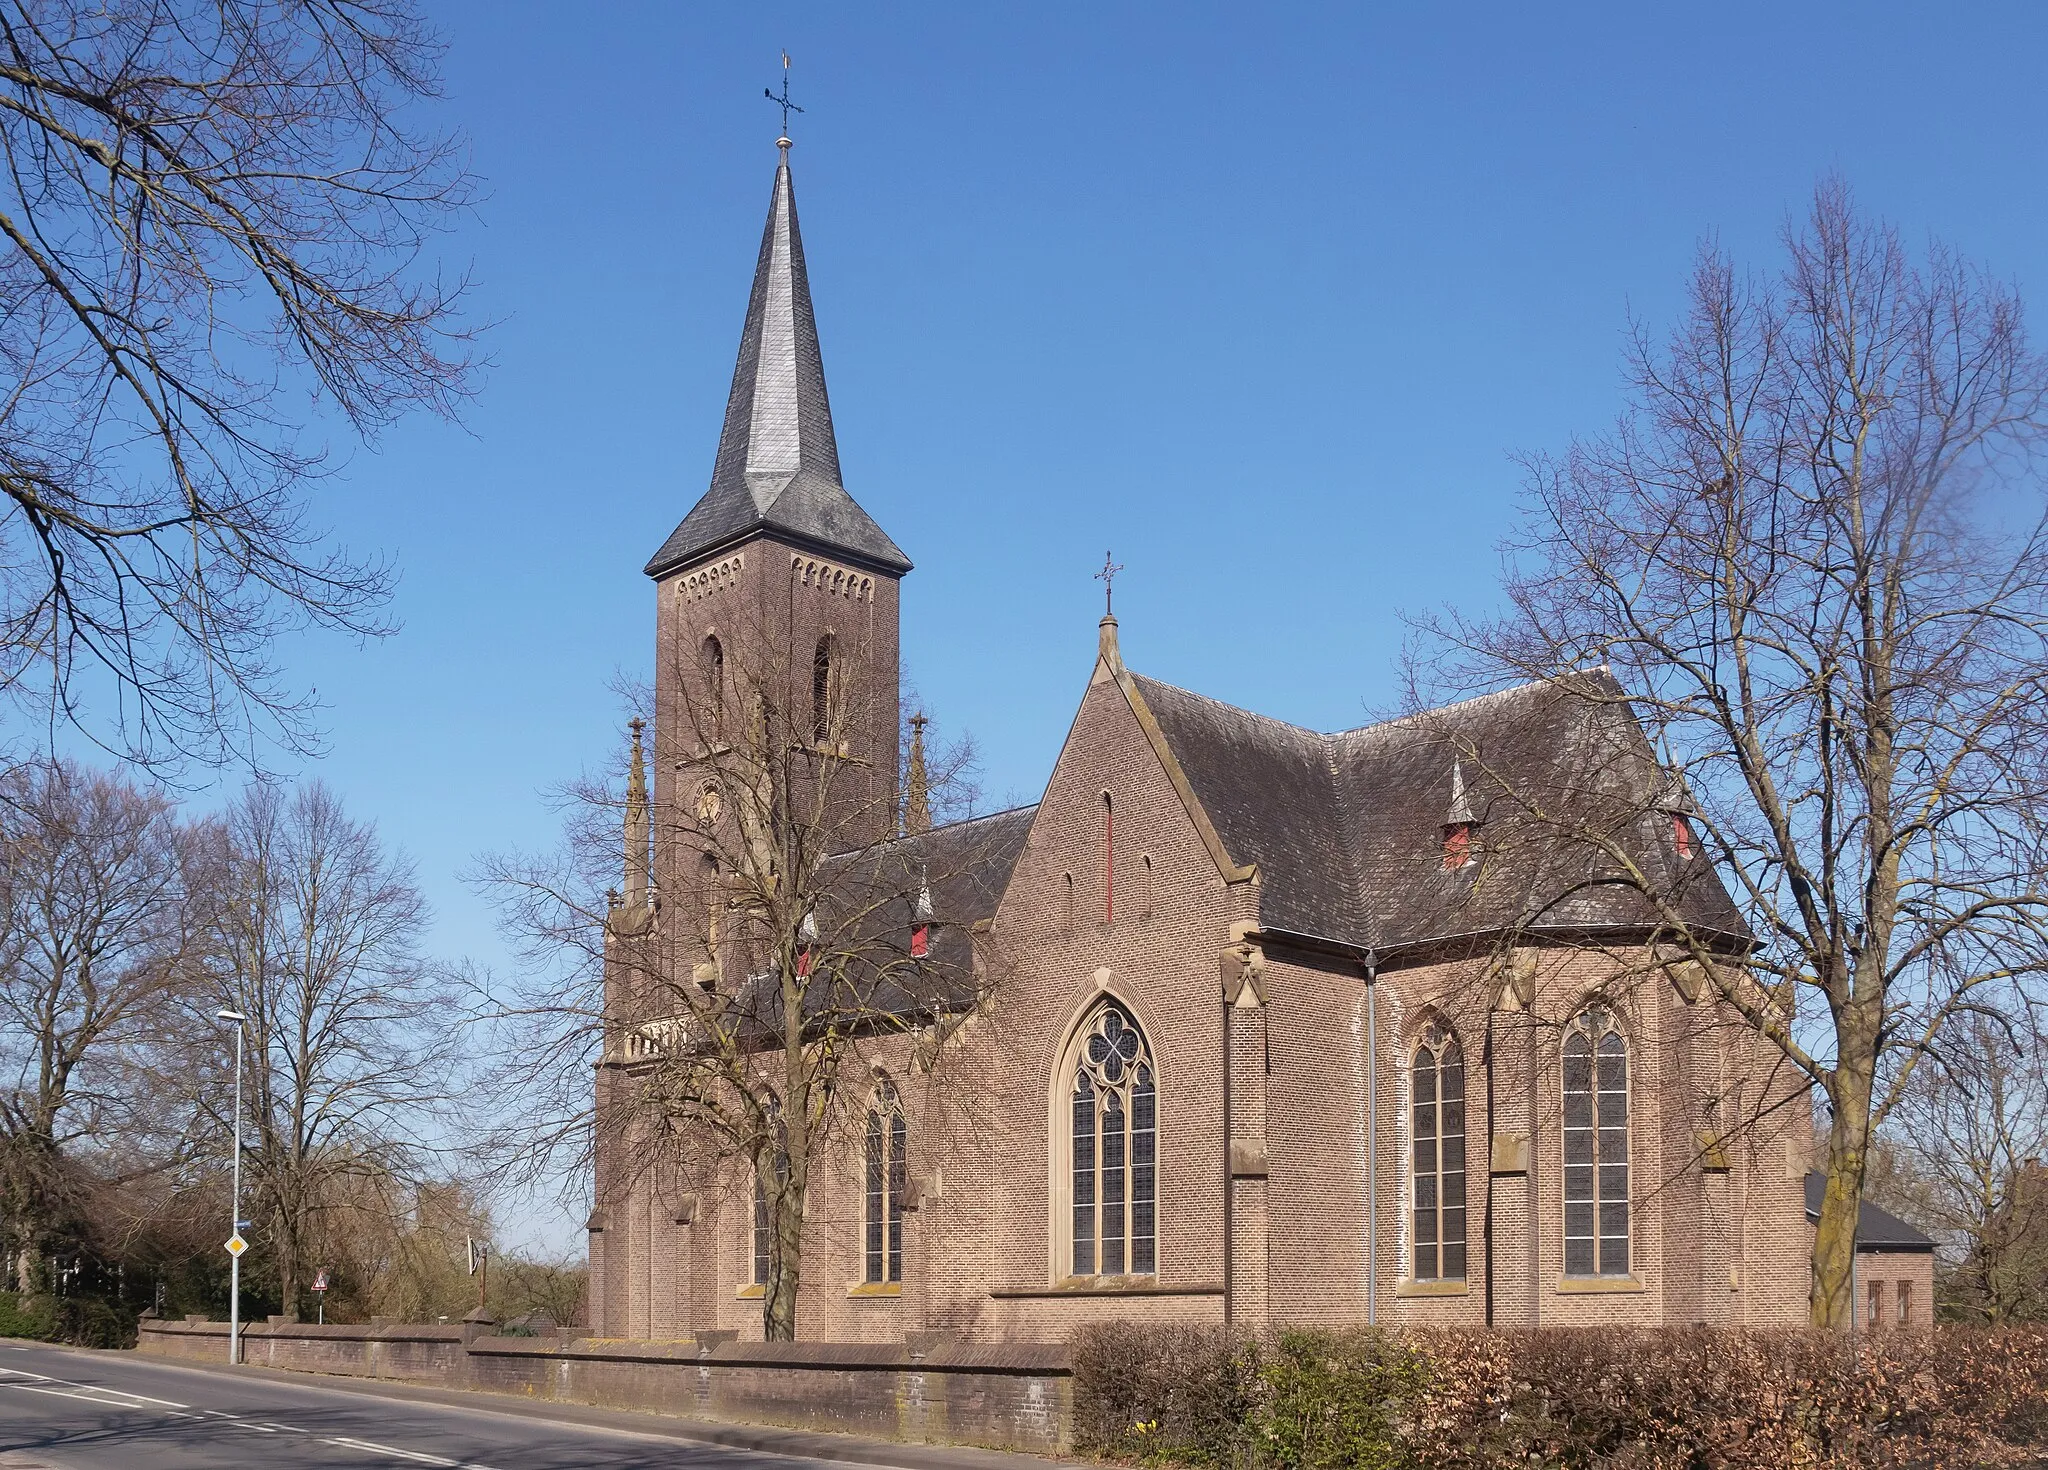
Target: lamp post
235, 1205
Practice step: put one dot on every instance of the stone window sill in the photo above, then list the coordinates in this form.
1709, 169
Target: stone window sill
1445, 1287
751, 1293
1594, 1285
1109, 1286
875, 1289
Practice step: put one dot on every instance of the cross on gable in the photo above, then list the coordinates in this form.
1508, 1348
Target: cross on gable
1107, 577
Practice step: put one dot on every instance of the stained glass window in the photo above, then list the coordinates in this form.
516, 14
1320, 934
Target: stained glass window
1115, 1110
886, 1174
1596, 1223
1438, 1115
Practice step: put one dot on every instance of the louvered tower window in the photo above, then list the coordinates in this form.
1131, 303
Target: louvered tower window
714, 675
821, 690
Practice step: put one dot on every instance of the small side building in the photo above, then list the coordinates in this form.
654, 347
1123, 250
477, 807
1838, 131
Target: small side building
1894, 1265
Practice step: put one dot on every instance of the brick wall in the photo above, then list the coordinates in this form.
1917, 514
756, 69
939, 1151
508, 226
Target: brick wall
1263, 1124
1013, 1397
1894, 1289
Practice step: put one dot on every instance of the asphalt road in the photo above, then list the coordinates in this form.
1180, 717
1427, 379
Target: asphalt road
86, 1411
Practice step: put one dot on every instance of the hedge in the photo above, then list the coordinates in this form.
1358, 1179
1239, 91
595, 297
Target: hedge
31, 1317
1563, 1399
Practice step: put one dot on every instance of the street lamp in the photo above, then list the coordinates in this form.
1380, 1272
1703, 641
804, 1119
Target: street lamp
235, 1205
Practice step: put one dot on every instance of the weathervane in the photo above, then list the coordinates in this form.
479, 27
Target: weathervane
1107, 577
783, 102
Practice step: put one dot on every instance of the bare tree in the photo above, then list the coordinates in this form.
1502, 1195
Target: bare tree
1811, 553
1967, 1138
314, 932
212, 218
527, 1284
397, 1246
799, 935
92, 901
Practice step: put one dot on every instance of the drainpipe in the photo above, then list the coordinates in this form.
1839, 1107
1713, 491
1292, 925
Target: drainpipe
1229, 1215
1372, 1139
1488, 1050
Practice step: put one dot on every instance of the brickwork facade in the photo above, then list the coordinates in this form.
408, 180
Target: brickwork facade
1286, 1121
1189, 1088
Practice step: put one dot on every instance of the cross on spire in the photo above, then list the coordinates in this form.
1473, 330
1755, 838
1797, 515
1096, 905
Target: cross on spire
784, 103
1107, 577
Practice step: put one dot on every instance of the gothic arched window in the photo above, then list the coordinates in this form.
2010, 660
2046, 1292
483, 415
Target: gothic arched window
1438, 1187
885, 1177
764, 1223
1113, 1156
821, 689
1596, 1225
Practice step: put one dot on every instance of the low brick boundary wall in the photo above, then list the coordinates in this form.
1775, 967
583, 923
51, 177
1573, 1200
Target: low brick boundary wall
1009, 1397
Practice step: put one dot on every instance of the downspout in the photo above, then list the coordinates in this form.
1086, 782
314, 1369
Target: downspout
1372, 1140
1229, 1215
1489, 1164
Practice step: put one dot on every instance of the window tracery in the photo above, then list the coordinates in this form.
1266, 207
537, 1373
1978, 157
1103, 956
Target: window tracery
885, 1175
1113, 1159
1596, 1124
1437, 1178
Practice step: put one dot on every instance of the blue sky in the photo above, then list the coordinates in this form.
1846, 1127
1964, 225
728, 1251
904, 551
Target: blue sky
1262, 297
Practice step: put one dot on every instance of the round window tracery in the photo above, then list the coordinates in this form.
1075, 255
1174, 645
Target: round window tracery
1113, 1049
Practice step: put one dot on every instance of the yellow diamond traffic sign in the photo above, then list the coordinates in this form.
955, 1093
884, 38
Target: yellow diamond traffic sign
236, 1245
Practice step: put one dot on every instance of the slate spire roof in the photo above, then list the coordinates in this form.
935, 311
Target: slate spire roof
778, 461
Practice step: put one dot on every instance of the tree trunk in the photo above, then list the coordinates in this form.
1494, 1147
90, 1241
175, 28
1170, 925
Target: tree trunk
1833, 1303
286, 1243
778, 1310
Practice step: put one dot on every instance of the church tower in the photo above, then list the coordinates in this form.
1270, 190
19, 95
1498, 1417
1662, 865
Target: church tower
777, 586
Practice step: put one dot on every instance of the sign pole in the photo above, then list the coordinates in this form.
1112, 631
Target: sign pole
235, 1244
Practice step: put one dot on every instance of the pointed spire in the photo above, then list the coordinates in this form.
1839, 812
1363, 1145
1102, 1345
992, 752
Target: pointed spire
917, 806
1674, 796
778, 458
1460, 812
636, 824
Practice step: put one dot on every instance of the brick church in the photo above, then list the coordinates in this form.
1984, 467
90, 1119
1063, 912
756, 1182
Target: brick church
1284, 1032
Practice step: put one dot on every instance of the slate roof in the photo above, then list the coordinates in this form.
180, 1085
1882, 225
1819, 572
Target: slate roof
1347, 828
1876, 1230
778, 461
869, 902
1272, 792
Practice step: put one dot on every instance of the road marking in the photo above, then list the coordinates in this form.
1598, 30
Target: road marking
68, 1383
121, 1398
385, 1449
90, 1397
